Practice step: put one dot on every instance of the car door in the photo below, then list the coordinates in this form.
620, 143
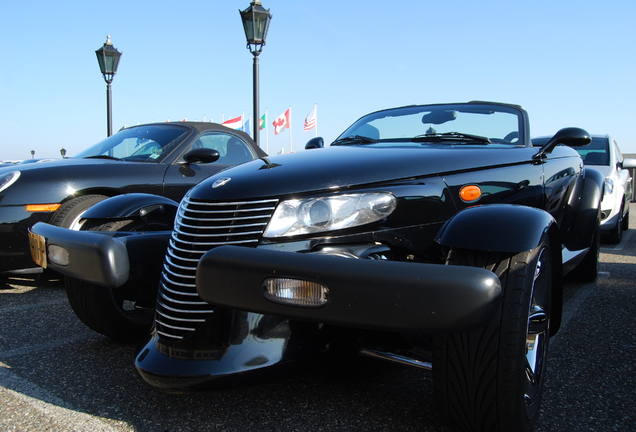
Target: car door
180, 176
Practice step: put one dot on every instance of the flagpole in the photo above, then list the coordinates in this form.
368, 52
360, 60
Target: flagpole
266, 131
291, 148
316, 116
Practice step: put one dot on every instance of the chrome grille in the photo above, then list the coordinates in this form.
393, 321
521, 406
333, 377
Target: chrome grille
199, 227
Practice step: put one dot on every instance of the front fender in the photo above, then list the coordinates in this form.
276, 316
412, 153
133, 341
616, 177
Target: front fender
132, 205
496, 227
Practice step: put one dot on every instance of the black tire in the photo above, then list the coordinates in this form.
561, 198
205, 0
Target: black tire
492, 379
125, 313
615, 235
70, 213
625, 221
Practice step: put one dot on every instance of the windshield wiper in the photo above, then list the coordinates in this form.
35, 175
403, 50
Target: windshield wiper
450, 136
103, 157
354, 139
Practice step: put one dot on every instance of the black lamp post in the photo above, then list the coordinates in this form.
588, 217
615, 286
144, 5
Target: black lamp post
255, 23
108, 59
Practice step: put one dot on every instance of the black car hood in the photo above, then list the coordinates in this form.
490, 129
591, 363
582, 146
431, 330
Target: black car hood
340, 168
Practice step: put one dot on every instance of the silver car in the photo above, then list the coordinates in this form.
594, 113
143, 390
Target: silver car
604, 155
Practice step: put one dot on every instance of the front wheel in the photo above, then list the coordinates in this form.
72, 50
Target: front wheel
492, 379
124, 313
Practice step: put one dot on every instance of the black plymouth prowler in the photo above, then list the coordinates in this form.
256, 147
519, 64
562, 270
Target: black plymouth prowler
435, 236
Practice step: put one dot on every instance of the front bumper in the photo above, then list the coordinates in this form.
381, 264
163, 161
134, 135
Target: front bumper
368, 294
101, 257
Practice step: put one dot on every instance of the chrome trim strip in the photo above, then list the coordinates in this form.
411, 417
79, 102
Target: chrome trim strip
193, 294
173, 255
396, 358
223, 234
174, 327
169, 335
184, 276
192, 286
212, 204
183, 302
198, 320
184, 310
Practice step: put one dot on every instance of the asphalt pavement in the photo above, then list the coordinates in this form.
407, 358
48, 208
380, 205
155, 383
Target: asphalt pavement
57, 375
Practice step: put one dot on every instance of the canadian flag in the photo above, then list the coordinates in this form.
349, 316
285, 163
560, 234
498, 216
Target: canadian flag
282, 122
235, 123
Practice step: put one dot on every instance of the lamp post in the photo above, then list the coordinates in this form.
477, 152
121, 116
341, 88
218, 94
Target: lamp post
108, 59
255, 23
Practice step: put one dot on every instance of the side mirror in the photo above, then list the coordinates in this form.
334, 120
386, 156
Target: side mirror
629, 163
315, 143
202, 155
571, 136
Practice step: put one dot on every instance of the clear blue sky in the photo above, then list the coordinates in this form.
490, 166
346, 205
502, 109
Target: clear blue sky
569, 63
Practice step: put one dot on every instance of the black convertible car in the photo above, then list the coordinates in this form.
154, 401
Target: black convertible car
162, 158
435, 236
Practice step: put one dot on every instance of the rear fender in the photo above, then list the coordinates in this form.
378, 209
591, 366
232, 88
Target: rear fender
583, 228
134, 205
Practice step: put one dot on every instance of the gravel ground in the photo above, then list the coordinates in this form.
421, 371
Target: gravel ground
57, 375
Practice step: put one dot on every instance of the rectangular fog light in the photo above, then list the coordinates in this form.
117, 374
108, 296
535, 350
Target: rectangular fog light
295, 292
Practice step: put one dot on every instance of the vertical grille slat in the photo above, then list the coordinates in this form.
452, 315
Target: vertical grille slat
201, 226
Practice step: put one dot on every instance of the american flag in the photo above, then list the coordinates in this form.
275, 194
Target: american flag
310, 120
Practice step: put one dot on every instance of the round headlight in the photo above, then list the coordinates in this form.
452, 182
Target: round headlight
316, 213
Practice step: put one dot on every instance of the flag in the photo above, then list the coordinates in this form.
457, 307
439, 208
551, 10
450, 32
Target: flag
310, 120
262, 122
282, 122
246, 127
235, 123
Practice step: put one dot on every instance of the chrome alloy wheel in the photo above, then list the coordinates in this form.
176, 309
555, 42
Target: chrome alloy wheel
537, 332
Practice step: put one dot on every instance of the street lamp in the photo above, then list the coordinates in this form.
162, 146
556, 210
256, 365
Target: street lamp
108, 59
255, 23
63, 152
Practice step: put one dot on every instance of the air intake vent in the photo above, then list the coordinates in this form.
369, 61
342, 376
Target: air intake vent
199, 227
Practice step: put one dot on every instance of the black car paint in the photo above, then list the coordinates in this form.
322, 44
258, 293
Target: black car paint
426, 179
61, 180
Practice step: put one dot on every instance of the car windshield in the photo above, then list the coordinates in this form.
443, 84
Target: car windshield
470, 123
595, 153
148, 143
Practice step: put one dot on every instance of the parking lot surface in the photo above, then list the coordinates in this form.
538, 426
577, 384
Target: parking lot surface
57, 375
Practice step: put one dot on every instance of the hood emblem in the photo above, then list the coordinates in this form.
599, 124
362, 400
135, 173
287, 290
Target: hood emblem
220, 182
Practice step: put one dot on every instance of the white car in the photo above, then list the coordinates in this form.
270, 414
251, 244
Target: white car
604, 155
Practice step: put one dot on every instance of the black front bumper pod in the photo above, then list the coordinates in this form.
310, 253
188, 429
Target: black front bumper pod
402, 297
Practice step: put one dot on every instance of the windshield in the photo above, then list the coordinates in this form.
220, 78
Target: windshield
148, 143
470, 123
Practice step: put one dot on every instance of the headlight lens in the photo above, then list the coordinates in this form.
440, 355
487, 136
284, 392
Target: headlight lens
609, 186
8, 179
315, 215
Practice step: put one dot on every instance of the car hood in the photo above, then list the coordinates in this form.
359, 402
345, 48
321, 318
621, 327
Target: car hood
339, 168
